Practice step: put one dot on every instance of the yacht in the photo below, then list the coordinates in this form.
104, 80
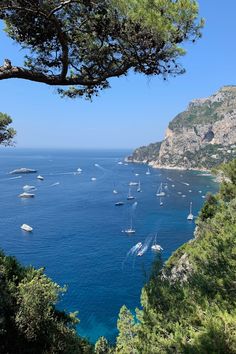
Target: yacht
160, 192
130, 196
26, 227
26, 195
190, 215
41, 178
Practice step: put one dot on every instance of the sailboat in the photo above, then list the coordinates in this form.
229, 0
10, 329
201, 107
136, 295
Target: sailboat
130, 196
160, 192
130, 230
148, 172
190, 215
139, 187
155, 247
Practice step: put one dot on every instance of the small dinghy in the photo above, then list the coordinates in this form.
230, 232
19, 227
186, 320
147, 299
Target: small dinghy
26, 195
26, 228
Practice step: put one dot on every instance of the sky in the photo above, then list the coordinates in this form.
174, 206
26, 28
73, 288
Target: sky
136, 110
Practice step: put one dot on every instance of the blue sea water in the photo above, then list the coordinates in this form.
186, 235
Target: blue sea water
78, 234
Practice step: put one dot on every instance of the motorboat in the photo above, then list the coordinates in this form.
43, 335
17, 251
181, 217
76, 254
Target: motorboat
133, 184
28, 188
142, 250
114, 191
26, 227
41, 178
26, 195
93, 179
119, 203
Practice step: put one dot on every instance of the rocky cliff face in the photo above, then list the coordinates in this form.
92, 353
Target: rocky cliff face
199, 138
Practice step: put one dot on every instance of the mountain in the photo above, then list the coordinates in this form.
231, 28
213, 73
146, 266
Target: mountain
201, 137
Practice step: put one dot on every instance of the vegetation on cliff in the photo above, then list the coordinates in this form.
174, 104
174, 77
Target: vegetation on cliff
29, 320
201, 137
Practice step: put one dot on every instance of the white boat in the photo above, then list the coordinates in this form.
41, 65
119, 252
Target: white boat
26, 195
114, 191
173, 185
160, 192
133, 184
190, 215
139, 187
93, 179
155, 247
119, 203
79, 170
26, 227
136, 174
161, 202
41, 178
138, 246
27, 187
142, 251
130, 230
130, 196
22, 170
148, 172
120, 163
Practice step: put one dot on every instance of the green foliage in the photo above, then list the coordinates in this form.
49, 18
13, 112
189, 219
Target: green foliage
102, 346
146, 153
127, 338
29, 320
188, 306
6, 133
81, 43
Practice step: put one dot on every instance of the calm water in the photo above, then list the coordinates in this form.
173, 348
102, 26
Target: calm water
78, 231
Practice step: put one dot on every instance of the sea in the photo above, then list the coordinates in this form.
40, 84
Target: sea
78, 231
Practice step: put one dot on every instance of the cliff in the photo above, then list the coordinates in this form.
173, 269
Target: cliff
201, 137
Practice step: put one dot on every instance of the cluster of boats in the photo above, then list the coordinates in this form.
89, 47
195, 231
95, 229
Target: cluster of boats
28, 191
140, 249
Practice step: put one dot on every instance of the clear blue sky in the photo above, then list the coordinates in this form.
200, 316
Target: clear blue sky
136, 110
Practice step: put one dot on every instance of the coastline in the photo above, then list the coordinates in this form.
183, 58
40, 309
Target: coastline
154, 164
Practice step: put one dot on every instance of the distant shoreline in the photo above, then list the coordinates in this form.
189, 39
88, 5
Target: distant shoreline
167, 167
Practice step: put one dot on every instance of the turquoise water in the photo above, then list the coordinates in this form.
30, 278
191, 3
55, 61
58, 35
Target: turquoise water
78, 230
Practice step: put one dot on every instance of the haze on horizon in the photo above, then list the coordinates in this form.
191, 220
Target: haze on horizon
135, 111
